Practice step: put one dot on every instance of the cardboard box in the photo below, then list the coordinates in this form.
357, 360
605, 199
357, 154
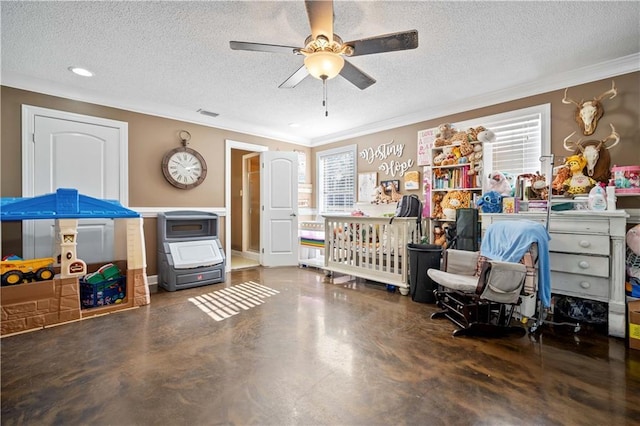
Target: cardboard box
634, 324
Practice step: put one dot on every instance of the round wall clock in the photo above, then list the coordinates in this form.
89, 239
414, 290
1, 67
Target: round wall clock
184, 167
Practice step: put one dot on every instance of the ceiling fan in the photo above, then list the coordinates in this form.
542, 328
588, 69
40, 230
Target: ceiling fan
324, 51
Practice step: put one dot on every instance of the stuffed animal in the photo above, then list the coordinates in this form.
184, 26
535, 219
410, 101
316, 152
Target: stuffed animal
381, 196
633, 252
578, 183
538, 189
445, 131
562, 174
437, 208
449, 157
466, 148
439, 237
498, 182
486, 136
475, 160
490, 202
454, 200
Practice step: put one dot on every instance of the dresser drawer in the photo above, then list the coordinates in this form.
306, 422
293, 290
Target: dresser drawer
583, 286
587, 244
580, 224
597, 266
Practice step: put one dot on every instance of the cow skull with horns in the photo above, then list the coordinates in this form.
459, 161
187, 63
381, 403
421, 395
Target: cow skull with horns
591, 150
589, 112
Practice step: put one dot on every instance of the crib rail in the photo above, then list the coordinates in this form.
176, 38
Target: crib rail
373, 248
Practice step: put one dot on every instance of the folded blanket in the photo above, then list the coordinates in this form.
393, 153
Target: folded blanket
509, 240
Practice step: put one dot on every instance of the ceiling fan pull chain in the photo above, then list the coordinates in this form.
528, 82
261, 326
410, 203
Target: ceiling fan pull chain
324, 97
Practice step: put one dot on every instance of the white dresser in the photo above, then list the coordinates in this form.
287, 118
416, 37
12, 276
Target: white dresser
587, 251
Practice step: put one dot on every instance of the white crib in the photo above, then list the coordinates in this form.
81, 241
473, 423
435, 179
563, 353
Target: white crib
374, 248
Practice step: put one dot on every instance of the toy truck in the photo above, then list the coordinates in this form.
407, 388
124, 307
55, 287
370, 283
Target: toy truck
15, 270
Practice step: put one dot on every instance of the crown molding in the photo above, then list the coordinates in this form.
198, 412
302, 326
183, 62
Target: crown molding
619, 66
46, 87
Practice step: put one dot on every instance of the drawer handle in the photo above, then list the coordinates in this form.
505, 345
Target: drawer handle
584, 243
585, 284
584, 264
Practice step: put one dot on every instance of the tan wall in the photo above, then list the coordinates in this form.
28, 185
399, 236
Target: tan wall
623, 112
150, 138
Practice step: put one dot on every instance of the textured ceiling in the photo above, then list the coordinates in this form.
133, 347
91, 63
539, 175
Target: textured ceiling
173, 58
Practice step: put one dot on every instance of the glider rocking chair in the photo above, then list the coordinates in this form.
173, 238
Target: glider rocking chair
479, 291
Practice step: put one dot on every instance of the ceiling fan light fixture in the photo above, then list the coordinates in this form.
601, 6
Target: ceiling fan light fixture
324, 65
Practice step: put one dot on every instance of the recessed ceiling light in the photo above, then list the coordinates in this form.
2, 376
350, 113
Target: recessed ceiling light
81, 71
294, 124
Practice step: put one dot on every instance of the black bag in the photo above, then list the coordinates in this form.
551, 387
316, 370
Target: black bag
467, 233
410, 206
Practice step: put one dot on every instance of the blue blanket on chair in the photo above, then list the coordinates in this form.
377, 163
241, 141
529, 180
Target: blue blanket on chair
509, 240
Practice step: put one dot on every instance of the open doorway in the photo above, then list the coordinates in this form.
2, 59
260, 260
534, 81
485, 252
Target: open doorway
243, 204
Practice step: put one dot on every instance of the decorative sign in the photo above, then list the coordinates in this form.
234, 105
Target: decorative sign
382, 153
367, 183
426, 189
412, 180
425, 142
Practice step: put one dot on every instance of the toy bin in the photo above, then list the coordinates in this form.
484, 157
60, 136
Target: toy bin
107, 292
626, 179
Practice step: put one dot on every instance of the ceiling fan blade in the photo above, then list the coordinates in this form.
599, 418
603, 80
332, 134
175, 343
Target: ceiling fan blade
356, 76
385, 43
295, 78
260, 47
320, 13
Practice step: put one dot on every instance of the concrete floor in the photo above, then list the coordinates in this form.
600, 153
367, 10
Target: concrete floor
282, 346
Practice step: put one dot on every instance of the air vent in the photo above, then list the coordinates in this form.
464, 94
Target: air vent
208, 113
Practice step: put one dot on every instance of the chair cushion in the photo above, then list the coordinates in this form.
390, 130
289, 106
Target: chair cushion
466, 283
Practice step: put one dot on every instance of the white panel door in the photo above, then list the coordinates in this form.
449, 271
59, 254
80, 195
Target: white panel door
68, 153
279, 200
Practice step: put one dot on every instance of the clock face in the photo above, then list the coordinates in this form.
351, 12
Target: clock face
184, 168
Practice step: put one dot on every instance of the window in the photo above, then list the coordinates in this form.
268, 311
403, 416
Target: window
336, 177
522, 138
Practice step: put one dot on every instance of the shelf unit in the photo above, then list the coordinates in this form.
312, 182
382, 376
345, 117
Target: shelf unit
311, 244
446, 179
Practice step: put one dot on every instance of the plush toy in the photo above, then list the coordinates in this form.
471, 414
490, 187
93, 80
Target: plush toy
578, 183
562, 174
439, 237
454, 200
437, 207
445, 131
439, 158
538, 189
486, 136
633, 252
498, 182
449, 157
475, 160
466, 148
381, 196
490, 202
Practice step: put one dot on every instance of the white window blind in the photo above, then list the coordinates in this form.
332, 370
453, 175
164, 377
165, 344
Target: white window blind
522, 138
336, 179
518, 147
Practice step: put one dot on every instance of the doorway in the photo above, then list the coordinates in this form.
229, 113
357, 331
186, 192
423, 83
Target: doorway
251, 204
242, 223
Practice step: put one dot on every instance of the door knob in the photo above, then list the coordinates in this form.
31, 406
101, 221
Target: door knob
293, 215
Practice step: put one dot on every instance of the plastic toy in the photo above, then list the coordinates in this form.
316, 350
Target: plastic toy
15, 270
